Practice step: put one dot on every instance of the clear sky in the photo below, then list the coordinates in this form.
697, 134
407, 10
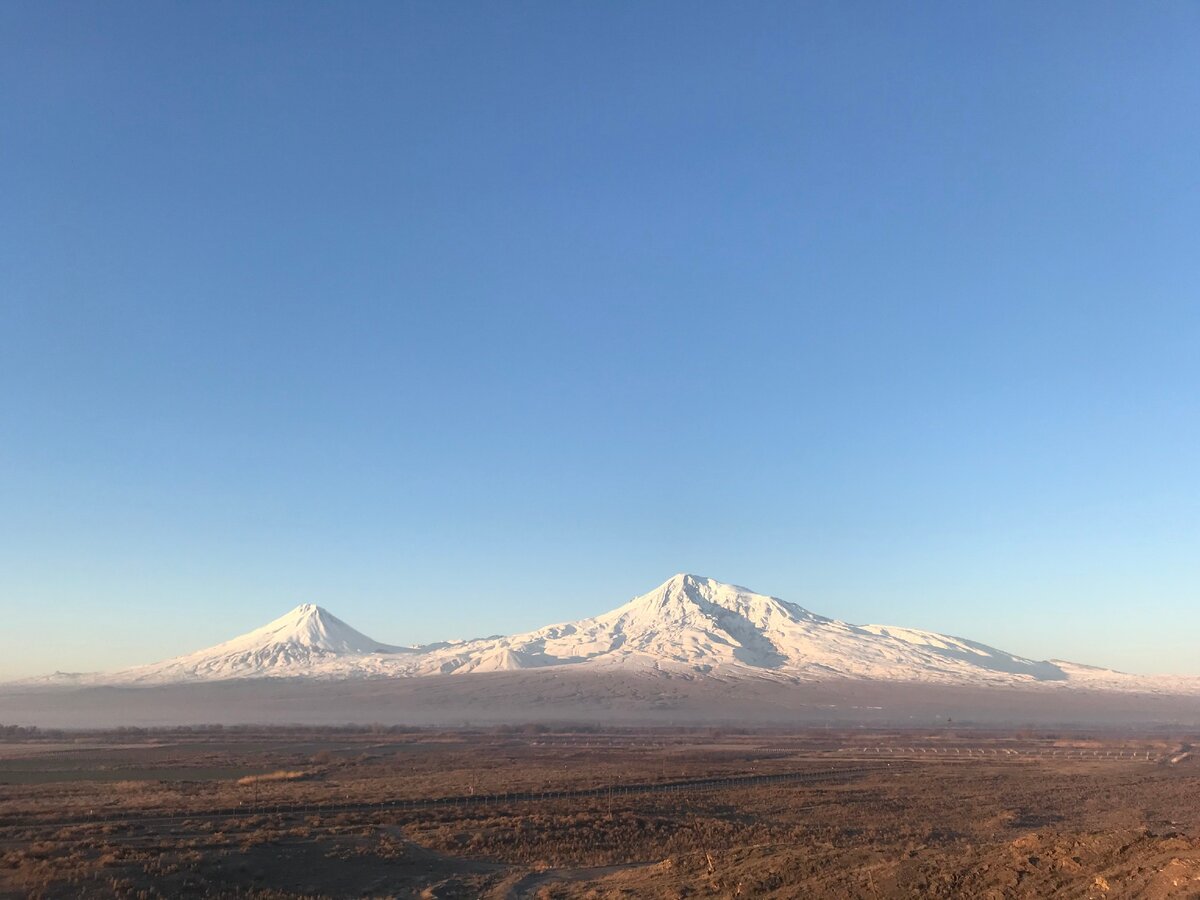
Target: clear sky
462, 318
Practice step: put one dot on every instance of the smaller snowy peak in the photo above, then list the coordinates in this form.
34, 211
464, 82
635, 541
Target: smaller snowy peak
312, 626
307, 640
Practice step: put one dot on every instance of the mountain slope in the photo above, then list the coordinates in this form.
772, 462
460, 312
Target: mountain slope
695, 624
689, 626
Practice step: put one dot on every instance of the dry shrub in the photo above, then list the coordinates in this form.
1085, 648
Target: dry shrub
281, 775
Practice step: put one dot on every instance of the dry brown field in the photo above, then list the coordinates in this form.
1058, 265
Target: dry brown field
540, 812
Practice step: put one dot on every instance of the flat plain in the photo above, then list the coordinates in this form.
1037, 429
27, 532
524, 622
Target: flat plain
560, 812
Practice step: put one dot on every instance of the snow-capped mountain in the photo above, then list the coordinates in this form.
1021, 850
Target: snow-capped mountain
696, 624
304, 640
688, 626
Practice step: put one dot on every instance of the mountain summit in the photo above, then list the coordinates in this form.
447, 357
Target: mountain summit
689, 626
312, 626
296, 643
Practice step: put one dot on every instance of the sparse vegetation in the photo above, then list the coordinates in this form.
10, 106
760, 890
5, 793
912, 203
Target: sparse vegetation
279, 775
954, 815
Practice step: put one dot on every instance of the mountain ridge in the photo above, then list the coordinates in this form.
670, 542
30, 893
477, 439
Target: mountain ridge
688, 626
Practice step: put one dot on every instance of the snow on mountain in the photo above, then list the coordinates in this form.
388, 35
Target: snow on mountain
299, 642
689, 626
694, 624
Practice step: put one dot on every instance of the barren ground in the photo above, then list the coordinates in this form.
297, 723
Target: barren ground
948, 812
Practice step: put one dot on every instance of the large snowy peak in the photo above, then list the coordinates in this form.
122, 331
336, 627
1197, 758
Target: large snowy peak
692, 619
693, 602
688, 621
694, 623
697, 625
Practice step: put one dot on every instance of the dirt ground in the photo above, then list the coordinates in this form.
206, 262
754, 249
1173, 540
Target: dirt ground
275, 813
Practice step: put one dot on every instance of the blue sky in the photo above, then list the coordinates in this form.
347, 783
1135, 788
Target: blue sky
463, 318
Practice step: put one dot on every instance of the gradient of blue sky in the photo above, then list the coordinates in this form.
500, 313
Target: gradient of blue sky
462, 318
